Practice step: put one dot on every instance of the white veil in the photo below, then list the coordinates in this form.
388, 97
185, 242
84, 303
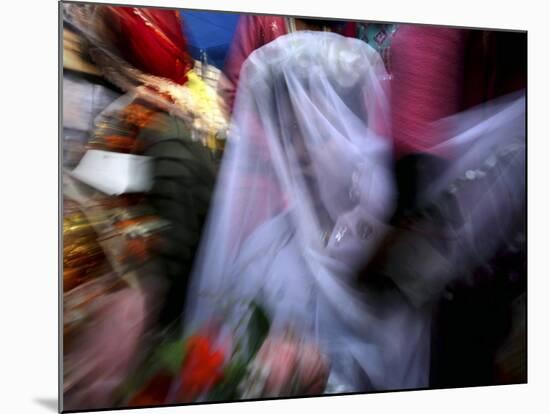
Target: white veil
302, 200
476, 206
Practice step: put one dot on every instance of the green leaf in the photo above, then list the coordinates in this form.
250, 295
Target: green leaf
165, 356
226, 390
170, 355
257, 330
235, 371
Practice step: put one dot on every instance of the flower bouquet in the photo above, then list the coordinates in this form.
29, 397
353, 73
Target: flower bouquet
217, 364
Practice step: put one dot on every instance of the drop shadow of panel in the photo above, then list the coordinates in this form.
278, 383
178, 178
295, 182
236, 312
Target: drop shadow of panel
49, 403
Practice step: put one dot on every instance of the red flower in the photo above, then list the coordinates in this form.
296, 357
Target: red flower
202, 367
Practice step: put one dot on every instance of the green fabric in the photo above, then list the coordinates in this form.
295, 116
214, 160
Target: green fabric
184, 178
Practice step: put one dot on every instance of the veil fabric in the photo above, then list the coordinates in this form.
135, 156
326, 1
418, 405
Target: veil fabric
477, 206
305, 195
301, 203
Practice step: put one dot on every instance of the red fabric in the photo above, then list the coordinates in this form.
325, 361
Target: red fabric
427, 67
151, 40
350, 29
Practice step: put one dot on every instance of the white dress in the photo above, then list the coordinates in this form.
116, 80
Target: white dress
302, 124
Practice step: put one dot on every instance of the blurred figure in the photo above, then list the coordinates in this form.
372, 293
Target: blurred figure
145, 123
436, 74
304, 129
148, 244
462, 248
184, 177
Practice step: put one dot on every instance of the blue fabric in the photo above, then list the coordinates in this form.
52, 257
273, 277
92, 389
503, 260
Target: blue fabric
209, 34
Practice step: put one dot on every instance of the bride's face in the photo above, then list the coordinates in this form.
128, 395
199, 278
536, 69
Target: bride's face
310, 159
295, 143
302, 168
296, 150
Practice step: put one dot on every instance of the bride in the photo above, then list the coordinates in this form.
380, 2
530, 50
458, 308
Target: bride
302, 200
302, 204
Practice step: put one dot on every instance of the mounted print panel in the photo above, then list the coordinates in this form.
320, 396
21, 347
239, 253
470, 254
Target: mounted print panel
260, 206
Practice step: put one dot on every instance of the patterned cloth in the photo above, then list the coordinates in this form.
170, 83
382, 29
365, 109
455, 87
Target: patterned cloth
378, 36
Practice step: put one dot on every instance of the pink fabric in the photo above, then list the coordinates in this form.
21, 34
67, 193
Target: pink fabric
105, 350
252, 32
427, 67
261, 209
